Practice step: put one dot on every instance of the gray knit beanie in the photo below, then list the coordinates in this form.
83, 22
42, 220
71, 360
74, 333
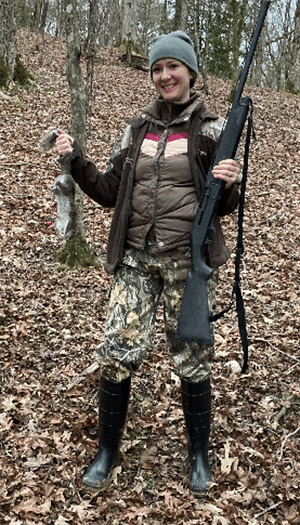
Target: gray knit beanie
177, 45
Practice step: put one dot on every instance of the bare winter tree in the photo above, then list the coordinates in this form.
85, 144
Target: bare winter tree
76, 250
8, 12
59, 25
239, 9
149, 17
40, 14
165, 25
184, 14
129, 20
74, 72
294, 75
281, 63
129, 26
181, 15
90, 48
77, 93
109, 25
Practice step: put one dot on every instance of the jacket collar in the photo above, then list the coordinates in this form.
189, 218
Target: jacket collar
158, 111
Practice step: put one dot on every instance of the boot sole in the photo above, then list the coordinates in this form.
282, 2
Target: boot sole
199, 494
99, 488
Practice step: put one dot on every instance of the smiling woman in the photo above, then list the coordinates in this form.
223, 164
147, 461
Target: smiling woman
153, 181
173, 66
172, 80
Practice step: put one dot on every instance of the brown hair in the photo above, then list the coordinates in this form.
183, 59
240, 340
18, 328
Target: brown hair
193, 79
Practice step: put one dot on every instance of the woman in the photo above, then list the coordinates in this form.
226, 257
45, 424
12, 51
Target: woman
154, 180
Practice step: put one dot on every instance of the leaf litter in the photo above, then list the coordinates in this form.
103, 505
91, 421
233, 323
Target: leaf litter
50, 323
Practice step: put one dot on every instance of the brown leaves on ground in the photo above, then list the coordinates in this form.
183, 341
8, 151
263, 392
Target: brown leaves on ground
50, 323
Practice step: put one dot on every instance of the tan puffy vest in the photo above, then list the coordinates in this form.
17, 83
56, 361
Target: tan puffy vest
164, 198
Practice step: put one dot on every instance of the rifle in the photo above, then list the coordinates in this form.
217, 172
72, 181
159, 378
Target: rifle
194, 320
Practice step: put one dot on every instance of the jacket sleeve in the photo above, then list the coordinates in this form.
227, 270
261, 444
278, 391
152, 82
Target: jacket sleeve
101, 187
230, 197
229, 200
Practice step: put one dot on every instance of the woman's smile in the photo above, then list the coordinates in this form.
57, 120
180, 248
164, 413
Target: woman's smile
172, 80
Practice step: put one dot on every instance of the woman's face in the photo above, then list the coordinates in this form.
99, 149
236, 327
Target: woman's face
171, 80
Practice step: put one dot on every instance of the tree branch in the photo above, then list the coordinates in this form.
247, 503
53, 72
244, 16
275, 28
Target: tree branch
275, 348
20, 163
268, 509
89, 370
285, 440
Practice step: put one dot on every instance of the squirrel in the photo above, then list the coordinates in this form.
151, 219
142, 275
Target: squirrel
63, 190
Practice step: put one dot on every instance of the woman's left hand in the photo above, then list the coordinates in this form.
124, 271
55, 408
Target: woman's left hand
227, 170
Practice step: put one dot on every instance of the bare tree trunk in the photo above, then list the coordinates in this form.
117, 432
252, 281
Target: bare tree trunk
109, 24
59, 19
164, 26
184, 14
77, 92
8, 12
200, 26
76, 251
40, 14
181, 15
295, 69
238, 12
256, 72
129, 20
91, 49
43, 17
129, 24
74, 73
177, 15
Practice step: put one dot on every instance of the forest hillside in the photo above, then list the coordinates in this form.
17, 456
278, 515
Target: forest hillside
52, 320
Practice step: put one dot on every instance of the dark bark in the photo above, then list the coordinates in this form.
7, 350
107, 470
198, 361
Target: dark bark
8, 11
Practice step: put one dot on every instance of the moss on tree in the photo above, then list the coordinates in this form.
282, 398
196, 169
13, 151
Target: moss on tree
4, 73
76, 253
21, 74
290, 87
131, 54
127, 46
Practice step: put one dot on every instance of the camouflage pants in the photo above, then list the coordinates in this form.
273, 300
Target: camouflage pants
138, 284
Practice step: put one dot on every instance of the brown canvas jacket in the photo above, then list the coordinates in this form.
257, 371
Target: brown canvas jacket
113, 188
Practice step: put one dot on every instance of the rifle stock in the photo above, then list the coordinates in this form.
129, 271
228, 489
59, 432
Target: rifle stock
195, 313
194, 320
194, 323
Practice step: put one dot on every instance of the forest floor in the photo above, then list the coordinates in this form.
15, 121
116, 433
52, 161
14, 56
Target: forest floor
51, 322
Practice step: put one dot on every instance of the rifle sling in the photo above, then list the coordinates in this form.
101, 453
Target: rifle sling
236, 291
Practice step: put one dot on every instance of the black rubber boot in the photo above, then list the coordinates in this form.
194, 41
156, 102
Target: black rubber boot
113, 405
196, 402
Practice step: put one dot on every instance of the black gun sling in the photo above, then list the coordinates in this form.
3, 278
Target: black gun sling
237, 296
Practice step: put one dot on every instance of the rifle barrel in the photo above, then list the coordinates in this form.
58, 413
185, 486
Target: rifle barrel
249, 56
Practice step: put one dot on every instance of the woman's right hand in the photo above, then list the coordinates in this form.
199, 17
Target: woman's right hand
63, 143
